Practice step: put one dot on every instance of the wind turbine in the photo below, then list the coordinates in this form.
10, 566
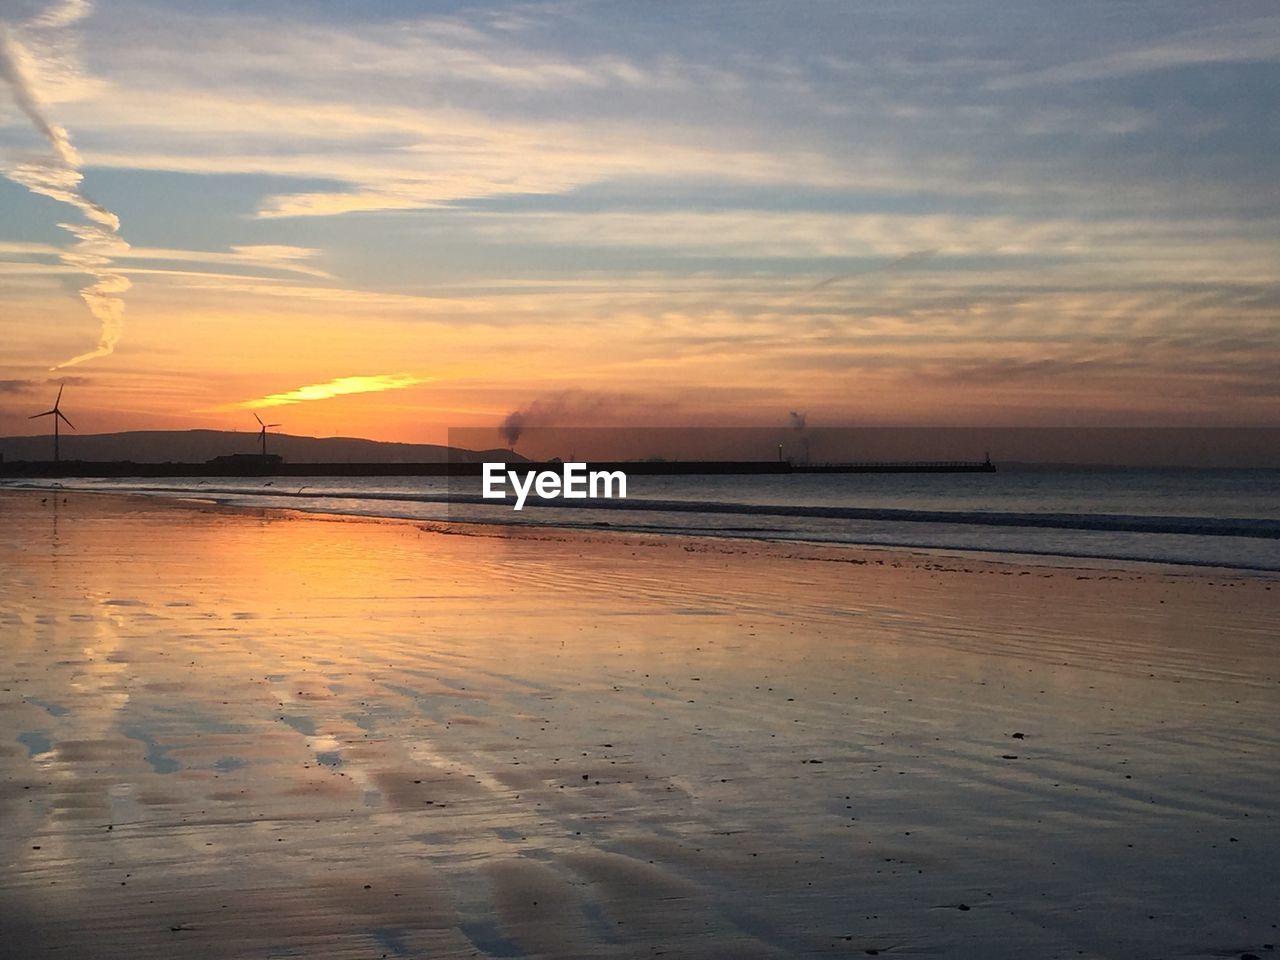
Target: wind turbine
57, 415
262, 434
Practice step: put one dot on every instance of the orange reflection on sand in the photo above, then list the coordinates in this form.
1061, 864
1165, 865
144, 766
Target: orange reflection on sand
335, 734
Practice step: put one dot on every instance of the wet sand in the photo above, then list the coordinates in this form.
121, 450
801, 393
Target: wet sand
238, 734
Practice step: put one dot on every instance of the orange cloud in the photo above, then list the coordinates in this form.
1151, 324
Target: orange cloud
335, 388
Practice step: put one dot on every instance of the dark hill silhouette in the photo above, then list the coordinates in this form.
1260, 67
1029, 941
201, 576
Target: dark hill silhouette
198, 446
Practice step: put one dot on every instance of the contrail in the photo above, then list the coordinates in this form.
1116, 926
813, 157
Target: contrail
24, 97
58, 177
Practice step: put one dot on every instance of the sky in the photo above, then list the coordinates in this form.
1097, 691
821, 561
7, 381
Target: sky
389, 219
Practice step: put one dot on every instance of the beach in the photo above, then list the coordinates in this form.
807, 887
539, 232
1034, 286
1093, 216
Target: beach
257, 733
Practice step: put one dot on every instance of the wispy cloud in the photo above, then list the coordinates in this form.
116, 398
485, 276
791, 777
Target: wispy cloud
576, 195
58, 176
906, 238
22, 386
1250, 41
342, 386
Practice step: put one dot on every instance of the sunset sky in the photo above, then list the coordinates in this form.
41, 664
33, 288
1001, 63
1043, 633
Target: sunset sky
386, 219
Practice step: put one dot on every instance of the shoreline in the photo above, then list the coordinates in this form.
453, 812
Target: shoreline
541, 530
252, 732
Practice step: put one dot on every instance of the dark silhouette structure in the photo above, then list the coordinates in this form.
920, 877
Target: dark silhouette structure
57, 415
244, 464
262, 434
256, 465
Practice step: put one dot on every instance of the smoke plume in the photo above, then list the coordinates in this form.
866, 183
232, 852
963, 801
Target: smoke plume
798, 420
511, 428
58, 177
570, 408
541, 412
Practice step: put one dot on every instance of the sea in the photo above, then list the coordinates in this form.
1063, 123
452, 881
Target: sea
1207, 518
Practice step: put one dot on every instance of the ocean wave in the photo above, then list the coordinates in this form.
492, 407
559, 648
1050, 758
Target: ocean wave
1266, 529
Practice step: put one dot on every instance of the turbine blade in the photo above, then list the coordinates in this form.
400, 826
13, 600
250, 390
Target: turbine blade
61, 387
65, 420
259, 419
273, 424
35, 415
